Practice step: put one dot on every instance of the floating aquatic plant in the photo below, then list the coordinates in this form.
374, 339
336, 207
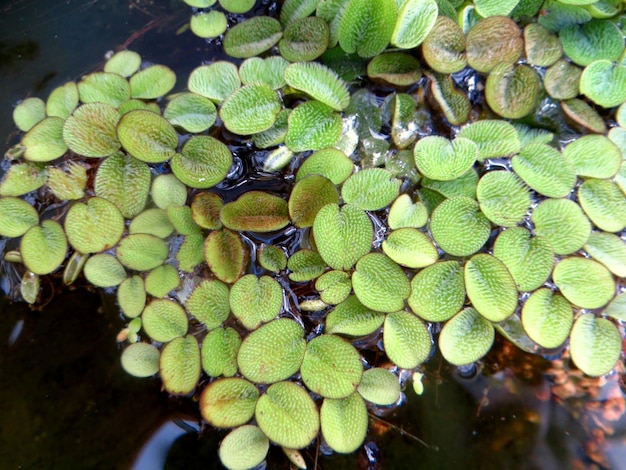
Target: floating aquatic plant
405, 186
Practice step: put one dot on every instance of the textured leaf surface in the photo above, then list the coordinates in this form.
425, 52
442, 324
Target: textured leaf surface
250, 109
43, 247
444, 47
269, 70
380, 283
147, 136
529, 259
203, 162
227, 403
404, 213
595, 345
563, 223
273, 352
287, 415
205, 210
141, 252
594, 156
466, 337
441, 159
415, 20
547, 318
370, 189
180, 365
459, 227
312, 125
545, 170
164, 320
104, 270
28, 113
512, 91
320, 82
225, 254
131, 296
152, 82
604, 83
44, 141
104, 87
192, 112
490, 287
124, 63
94, 226
411, 248
243, 448
366, 26
379, 386
604, 203
305, 39
308, 196
406, 339
215, 82
344, 423
608, 249
438, 291
491, 41
219, 352
16, 217
503, 198
256, 211
305, 265
252, 36
331, 367
330, 162
209, 303
352, 318
494, 138
62, 100
162, 280
584, 282
255, 300
153, 221
141, 360
595, 40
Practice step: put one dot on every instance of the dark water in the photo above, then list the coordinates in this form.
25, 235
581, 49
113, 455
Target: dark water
65, 402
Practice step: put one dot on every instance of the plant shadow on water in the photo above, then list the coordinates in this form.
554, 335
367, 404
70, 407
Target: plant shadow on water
67, 403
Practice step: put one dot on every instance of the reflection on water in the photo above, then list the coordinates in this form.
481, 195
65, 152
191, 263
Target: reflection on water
66, 403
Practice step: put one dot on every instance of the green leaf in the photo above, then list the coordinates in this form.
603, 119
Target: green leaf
104, 270
562, 80
269, 70
192, 112
343, 235
141, 252
203, 162
604, 203
250, 109
237, 6
319, 82
583, 115
219, 352
43, 247
370, 189
608, 249
503, 198
547, 318
490, 287
152, 82
406, 339
273, 352
584, 282
595, 40
329, 162
352, 318
205, 210
147, 136
28, 113
243, 448
380, 284
366, 26
163, 320
162, 280
416, 18
604, 83
63, 100
94, 226
209, 303
396, 68
491, 41
22, 178
228, 403
210, 24
124, 181
308, 196
153, 221
441, 159
545, 170
466, 337
287, 415
379, 386
563, 223
131, 296
272, 258
180, 365
181, 218
104, 87
486, 8
191, 253
594, 156
252, 37
216, 81
67, 183
404, 213
16, 217
529, 259
124, 63
438, 292
344, 423
256, 211
617, 307
305, 39
459, 227
331, 367
494, 138
452, 101
595, 345
226, 255
411, 248
141, 360
255, 300
512, 91
293, 10
44, 141
444, 47
312, 125
305, 265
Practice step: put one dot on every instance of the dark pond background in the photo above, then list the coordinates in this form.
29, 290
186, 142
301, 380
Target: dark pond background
66, 403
